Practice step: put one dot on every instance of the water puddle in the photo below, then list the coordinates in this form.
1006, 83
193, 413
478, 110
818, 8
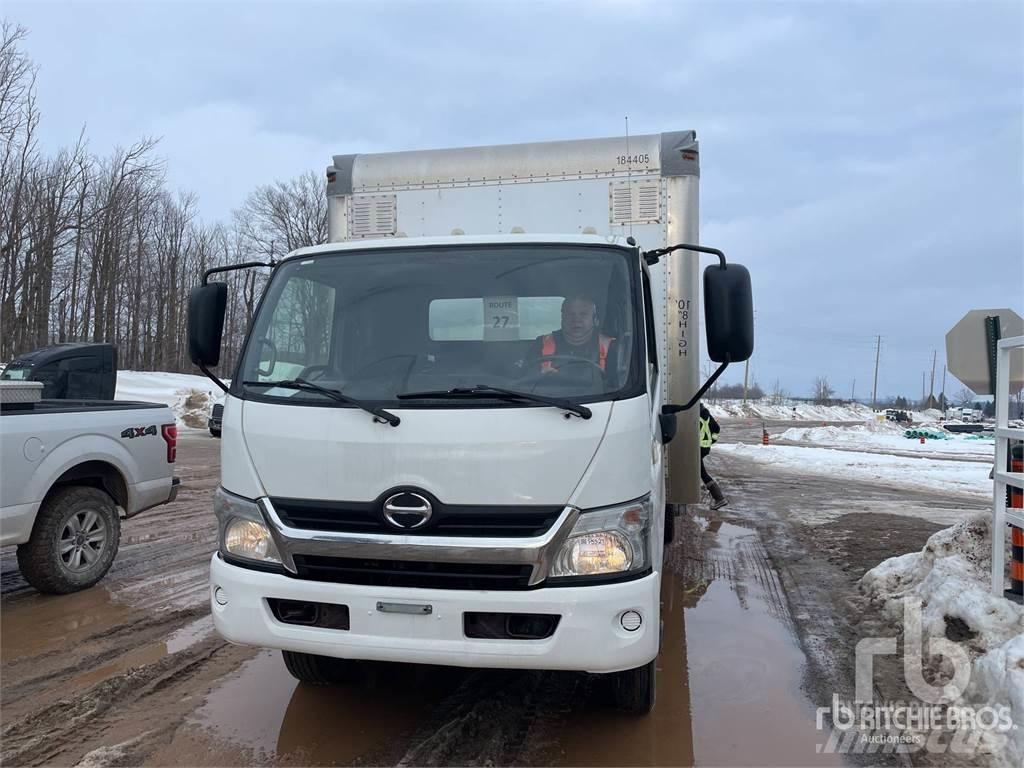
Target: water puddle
264, 711
744, 664
38, 623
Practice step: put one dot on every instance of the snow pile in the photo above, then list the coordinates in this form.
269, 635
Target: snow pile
190, 397
854, 433
950, 579
947, 475
890, 436
793, 410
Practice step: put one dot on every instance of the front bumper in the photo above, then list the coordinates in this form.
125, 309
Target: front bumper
589, 637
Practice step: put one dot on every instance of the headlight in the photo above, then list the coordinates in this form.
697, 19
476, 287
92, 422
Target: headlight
606, 541
251, 540
243, 532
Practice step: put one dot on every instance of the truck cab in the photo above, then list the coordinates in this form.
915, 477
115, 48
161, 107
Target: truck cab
452, 450
71, 371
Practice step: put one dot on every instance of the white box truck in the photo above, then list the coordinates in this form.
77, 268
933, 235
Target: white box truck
445, 441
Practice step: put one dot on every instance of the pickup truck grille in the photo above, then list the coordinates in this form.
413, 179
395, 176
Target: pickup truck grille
448, 520
410, 573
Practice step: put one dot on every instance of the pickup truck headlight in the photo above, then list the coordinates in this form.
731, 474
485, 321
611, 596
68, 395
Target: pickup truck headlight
243, 532
606, 541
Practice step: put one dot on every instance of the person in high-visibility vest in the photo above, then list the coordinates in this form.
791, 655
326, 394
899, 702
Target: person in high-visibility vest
709, 431
577, 338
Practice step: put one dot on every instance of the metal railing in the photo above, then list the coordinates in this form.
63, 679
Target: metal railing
1001, 476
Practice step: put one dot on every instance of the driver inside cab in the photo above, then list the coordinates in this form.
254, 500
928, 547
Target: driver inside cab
578, 340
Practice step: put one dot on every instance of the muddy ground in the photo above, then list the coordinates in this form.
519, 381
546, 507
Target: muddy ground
759, 630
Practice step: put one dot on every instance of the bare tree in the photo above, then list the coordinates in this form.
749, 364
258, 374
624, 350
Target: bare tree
280, 217
823, 391
964, 397
778, 394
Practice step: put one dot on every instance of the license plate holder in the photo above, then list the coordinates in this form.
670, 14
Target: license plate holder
412, 609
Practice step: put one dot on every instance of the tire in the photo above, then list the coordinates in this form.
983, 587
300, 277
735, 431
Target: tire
319, 670
633, 690
214, 432
74, 524
670, 523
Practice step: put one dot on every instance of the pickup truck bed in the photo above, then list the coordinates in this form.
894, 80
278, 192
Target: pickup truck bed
71, 470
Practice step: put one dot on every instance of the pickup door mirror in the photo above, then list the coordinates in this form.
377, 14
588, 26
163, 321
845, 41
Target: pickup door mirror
728, 313
206, 305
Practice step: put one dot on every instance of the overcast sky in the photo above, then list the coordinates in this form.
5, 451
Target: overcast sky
865, 160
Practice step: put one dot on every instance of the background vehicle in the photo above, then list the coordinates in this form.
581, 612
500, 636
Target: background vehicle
71, 469
404, 477
73, 371
899, 416
216, 416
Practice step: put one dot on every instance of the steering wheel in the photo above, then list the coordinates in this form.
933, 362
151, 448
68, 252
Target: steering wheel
536, 377
361, 371
310, 372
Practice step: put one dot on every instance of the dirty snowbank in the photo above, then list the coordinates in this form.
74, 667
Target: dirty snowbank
800, 411
190, 397
945, 475
792, 410
887, 435
950, 579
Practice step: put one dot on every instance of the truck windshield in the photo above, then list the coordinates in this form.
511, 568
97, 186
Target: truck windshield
554, 320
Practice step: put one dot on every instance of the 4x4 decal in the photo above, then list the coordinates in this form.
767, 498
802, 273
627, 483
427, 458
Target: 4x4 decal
133, 432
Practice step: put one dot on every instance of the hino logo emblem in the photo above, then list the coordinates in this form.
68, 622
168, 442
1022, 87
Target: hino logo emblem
407, 510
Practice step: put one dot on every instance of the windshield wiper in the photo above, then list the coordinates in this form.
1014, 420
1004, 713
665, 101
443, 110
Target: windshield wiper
334, 394
484, 390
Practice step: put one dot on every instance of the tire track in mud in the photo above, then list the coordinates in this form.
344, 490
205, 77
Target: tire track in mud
497, 717
47, 735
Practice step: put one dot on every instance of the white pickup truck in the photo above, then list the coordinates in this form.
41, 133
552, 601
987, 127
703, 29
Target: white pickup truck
71, 470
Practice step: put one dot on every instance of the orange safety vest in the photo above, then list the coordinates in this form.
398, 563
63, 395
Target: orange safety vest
604, 343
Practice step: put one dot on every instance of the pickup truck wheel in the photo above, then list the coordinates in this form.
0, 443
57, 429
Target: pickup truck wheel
633, 689
74, 541
319, 670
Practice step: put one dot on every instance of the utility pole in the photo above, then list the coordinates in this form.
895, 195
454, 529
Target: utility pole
874, 389
746, 370
853, 391
931, 387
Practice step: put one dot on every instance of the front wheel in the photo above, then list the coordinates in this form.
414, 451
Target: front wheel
74, 541
633, 689
319, 670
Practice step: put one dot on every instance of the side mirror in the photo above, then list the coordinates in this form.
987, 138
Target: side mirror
728, 313
206, 304
669, 425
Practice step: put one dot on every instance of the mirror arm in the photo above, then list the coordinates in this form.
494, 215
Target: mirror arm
233, 267
213, 377
666, 409
652, 257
